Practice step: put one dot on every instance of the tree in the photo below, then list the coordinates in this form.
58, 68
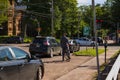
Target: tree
40, 9
115, 10
69, 16
86, 18
65, 17
3, 11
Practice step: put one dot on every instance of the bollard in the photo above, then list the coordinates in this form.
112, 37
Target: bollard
105, 46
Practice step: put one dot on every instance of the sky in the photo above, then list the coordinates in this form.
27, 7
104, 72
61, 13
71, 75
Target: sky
88, 2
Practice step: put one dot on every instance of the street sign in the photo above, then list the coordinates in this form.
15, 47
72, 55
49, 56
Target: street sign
86, 31
39, 29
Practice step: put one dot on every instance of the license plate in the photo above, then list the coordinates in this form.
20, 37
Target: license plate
37, 45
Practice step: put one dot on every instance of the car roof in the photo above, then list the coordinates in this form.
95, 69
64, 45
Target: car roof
3, 47
45, 37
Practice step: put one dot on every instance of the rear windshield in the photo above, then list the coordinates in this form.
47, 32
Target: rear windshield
39, 40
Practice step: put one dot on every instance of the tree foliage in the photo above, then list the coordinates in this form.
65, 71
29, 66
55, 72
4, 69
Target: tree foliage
115, 9
3, 10
102, 13
65, 15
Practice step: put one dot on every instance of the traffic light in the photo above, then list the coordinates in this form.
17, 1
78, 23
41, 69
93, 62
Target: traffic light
99, 21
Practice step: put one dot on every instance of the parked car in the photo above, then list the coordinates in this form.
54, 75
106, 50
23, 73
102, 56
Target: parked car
45, 46
14, 39
16, 64
85, 41
74, 45
99, 40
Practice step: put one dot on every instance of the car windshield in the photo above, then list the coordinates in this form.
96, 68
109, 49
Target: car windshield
38, 40
20, 54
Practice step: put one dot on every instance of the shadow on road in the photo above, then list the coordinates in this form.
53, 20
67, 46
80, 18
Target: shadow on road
54, 61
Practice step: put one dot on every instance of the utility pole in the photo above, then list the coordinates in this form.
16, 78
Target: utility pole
78, 23
117, 33
38, 26
95, 32
52, 17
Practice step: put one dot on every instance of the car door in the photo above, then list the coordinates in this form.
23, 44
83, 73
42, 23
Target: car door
75, 45
56, 46
27, 69
52, 45
8, 67
82, 41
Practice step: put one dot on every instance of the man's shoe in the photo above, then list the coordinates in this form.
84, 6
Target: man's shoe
63, 60
68, 60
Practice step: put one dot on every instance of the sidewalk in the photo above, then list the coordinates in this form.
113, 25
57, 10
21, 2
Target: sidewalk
87, 70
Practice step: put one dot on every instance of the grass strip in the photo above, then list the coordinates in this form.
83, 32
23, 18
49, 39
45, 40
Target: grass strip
88, 52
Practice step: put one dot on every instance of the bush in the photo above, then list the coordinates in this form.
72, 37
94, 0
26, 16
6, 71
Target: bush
2, 38
27, 40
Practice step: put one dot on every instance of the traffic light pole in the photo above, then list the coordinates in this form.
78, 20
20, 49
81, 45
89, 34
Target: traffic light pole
95, 32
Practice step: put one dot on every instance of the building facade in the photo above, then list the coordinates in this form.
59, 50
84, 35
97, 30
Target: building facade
14, 17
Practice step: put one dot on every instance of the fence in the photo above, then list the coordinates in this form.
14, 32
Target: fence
113, 74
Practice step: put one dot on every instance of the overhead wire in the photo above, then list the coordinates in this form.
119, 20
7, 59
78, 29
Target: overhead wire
38, 14
37, 4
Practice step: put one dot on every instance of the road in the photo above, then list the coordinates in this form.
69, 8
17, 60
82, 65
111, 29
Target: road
54, 67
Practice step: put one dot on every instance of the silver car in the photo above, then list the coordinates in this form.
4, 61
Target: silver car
85, 41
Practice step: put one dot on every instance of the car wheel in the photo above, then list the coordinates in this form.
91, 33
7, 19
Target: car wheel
39, 74
51, 53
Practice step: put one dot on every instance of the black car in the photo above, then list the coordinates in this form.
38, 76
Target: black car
74, 45
99, 40
14, 39
44, 46
16, 64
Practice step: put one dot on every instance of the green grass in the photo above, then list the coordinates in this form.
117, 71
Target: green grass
89, 52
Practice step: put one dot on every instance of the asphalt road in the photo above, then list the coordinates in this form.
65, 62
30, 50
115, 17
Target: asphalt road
54, 67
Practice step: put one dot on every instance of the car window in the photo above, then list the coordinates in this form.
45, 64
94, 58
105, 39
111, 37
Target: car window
53, 41
80, 39
5, 55
84, 39
70, 41
74, 42
20, 54
38, 40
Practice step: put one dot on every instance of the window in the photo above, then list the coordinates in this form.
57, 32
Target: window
53, 42
39, 40
20, 54
5, 55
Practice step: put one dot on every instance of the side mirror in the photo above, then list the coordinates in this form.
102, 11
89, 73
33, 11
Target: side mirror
33, 57
28, 58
